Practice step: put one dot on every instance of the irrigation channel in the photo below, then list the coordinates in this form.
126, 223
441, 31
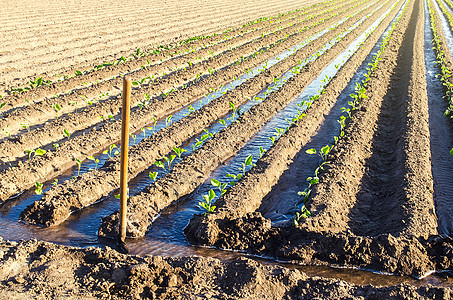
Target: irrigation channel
271, 91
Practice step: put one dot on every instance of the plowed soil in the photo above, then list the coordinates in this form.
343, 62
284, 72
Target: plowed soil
379, 201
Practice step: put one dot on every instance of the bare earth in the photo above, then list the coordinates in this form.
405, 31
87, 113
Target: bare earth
51, 37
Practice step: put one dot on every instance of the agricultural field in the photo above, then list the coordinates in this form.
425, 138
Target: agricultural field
278, 150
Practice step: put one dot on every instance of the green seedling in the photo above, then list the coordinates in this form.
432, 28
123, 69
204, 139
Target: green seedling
55, 145
2, 105
6, 131
305, 194
169, 160
247, 162
219, 185
234, 177
66, 133
143, 129
38, 190
56, 107
323, 152
179, 151
37, 152
55, 182
304, 213
133, 136
153, 175
168, 120
222, 121
261, 151
34, 84
110, 149
160, 164
40, 152
207, 205
79, 164
96, 161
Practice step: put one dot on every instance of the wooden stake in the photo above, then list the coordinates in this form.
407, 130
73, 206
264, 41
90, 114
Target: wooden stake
125, 116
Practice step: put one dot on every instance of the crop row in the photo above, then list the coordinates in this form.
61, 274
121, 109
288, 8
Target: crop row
197, 167
157, 145
140, 59
100, 138
182, 70
443, 58
242, 198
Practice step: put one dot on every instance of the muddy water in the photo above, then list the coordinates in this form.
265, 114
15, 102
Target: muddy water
441, 141
165, 236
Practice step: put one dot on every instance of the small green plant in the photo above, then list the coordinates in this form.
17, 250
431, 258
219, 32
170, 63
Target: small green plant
304, 213
133, 136
25, 126
207, 204
2, 105
79, 164
219, 185
247, 162
261, 151
37, 152
323, 152
153, 175
110, 150
96, 161
6, 131
168, 120
56, 107
179, 151
38, 190
66, 133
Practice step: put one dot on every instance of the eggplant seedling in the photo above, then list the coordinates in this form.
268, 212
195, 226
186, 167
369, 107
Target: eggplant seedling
66, 133
219, 185
179, 151
207, 205
169, 160
38, 190
56, 107
153, 175
25, 126
261, 151
304, 213
168, 120
323, 152
96, 161
79, 164
247, 162
110, 149
133, 136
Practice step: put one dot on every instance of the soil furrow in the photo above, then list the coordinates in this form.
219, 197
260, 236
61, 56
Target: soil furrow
316, 241
387, 184
75, 36
60, 201
47, 166
243, 46
77, 82
246, 195
170, 32
196, 168
78, 121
